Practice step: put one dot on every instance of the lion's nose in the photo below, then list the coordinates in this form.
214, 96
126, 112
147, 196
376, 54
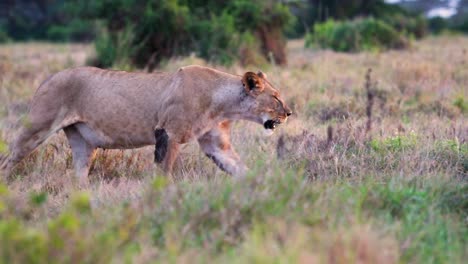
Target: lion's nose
289, 113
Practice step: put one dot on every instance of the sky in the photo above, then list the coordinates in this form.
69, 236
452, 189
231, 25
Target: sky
445, 12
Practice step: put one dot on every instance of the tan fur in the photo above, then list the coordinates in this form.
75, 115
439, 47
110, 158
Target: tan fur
115, 109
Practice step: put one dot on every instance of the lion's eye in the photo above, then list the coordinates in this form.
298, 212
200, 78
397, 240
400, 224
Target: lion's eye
277, 100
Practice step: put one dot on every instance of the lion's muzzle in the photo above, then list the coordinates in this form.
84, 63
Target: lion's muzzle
271, 124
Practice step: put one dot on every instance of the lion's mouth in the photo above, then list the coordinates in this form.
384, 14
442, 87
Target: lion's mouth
271, 124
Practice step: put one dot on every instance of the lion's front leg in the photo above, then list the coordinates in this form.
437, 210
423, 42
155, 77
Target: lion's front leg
166, 151
216, 145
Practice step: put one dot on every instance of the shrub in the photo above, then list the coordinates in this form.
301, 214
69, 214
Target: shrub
416, 27
3, 36
249, 50
218, 38
356, 35
76, 30
438, 24
159, 29
267, 20
463, 27
453, 153
461, 104
162, 29
394, 144
65, 238
114, 49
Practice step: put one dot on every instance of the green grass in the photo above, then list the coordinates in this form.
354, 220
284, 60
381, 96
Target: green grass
235, 220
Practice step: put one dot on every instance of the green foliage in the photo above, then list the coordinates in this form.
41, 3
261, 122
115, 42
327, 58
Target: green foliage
71, 236
38, 199
341, 10
81, 203
415, 26
23, 245
423, 212
242, 220
463, 26
357, 35
162, 29
218, 38
420, 209
159, 183
384, 26
248, 50
75, 30
3, 147
250, 15
47, 20
312, 12
394, 144
454, 153
3, 36
159, 29
106, 50
437, 25
461, 104
114, 49
21, 26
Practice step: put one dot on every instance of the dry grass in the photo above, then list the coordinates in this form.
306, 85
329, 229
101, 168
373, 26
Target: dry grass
367, 170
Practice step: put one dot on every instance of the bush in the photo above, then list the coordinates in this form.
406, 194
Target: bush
75, 30
162, 29
416, 27
64, 238
3, 36
159, 29
218, 38
114, 49
461, 104
249, 50
356, 35
462, 27
56, 20
437, 25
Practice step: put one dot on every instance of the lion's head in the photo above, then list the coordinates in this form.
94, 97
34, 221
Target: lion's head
265, 103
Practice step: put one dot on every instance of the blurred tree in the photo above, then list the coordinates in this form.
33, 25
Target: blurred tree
25, 19
43, 19
423, 6
310, 12
345, 9
460, 20
155, 30
144, 32
356, 35
438, 24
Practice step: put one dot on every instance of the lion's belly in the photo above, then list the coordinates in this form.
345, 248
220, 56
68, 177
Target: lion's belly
123, 122
124, 137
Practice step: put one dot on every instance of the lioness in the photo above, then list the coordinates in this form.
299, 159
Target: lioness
120, 110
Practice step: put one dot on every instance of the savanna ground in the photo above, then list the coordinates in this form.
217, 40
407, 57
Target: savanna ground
324, 189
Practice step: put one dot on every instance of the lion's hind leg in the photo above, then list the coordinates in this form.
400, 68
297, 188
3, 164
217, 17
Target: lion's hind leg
81, 152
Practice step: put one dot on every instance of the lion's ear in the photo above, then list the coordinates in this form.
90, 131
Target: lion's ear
252, 83
262, 75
